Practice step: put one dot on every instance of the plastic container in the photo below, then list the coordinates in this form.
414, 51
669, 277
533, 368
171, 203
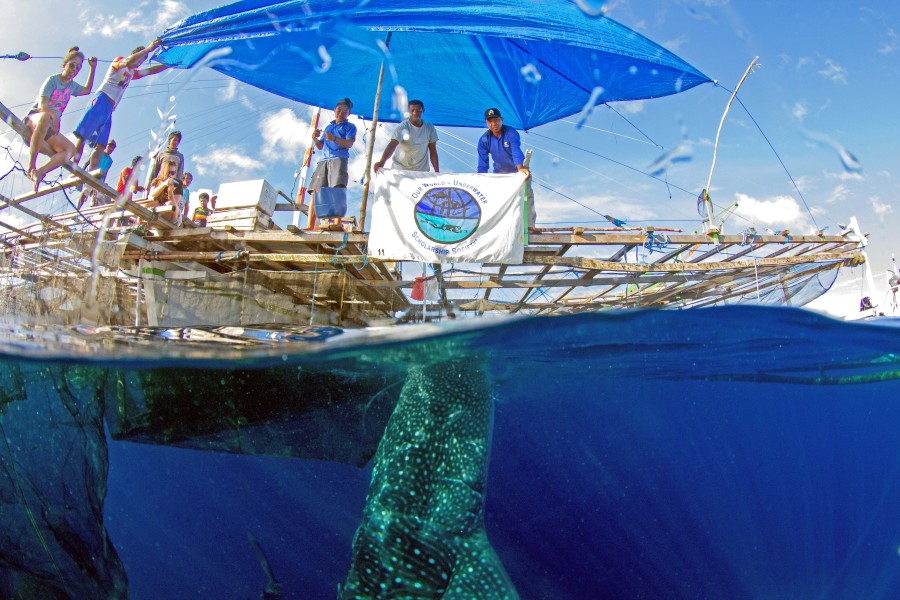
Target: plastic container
330, 202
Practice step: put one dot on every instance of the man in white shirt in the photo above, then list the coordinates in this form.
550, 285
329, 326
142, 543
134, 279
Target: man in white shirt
415, 142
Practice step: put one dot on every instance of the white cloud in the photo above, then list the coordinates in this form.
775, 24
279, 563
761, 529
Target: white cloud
285, 136
803, 62
552, 208
778, 212
881, 208
630, 107
674, 45
834, 72
148, 18
227, 93
800, 110
226, 160
848, 160
839, 193
892, 44
843, 176
804, 183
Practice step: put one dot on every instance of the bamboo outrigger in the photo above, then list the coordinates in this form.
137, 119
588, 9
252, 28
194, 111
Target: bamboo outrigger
273, 275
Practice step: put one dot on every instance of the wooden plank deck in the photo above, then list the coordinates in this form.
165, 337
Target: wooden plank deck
563, 270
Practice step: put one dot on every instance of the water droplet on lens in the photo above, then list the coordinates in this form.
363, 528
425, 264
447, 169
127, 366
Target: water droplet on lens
530, 73
326, 59
592, 8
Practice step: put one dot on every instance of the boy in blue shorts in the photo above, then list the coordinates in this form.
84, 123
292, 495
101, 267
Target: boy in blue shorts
96, 123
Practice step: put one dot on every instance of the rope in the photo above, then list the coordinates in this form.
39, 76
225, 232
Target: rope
756, 271
654, 242
774, 151
636, 128
748, 237
621, 164
237, 255
312, 298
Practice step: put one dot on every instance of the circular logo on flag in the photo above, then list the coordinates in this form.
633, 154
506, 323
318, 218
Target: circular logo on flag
447, 215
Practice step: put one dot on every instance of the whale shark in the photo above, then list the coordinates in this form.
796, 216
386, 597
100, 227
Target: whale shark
422, 534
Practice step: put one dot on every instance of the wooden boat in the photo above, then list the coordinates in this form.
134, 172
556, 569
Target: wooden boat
242, 272
243, 269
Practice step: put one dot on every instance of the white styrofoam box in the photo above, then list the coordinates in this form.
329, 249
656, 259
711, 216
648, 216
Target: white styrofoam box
233, 214
242, 224
257, 220
247, 194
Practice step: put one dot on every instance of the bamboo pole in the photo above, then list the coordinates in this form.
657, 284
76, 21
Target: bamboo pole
711, 228
371, 145
301, 195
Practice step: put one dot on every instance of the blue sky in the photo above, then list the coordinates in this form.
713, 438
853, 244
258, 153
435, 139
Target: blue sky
822, 96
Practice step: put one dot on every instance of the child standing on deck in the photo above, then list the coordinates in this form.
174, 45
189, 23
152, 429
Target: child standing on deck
185, 197
202, 211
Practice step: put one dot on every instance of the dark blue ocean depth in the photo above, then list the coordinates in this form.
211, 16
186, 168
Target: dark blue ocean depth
716, 453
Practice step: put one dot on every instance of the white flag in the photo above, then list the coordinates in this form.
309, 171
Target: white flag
447, 217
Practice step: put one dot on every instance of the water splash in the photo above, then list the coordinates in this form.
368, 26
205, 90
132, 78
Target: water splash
326, 60
531, 73
681, 153
848, 160
592, 8
589, 106
399, 100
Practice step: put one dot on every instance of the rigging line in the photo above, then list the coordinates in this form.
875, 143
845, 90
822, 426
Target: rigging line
581, 204
549, 67
630, 221
783, 166
636, 170
199, 132
49, 199
577, 164
458, 156
78, 110
445, 131
622, 135
104, 60
636, 128
459, 151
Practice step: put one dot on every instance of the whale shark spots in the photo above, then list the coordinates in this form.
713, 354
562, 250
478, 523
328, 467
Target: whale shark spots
422, 533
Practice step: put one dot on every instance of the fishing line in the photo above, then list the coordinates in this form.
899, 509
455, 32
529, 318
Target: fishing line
586, 168
613, 133
636, 128
775, 152
621, 164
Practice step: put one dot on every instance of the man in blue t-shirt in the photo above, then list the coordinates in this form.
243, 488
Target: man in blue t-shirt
502, 144
338, 137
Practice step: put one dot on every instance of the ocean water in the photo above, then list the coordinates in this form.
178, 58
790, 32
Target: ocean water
737, 452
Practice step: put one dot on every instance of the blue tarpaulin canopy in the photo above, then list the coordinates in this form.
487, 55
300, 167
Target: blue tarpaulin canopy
535, 60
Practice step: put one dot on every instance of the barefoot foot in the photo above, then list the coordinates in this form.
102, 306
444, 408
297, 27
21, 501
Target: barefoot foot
37, 176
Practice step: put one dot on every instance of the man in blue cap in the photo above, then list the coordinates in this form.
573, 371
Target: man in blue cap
502, 144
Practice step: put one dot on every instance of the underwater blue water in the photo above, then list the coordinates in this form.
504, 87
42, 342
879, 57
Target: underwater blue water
715, 453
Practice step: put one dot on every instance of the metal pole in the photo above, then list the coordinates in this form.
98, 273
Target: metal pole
371, 144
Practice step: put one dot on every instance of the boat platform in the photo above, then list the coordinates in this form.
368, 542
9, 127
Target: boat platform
97, 266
